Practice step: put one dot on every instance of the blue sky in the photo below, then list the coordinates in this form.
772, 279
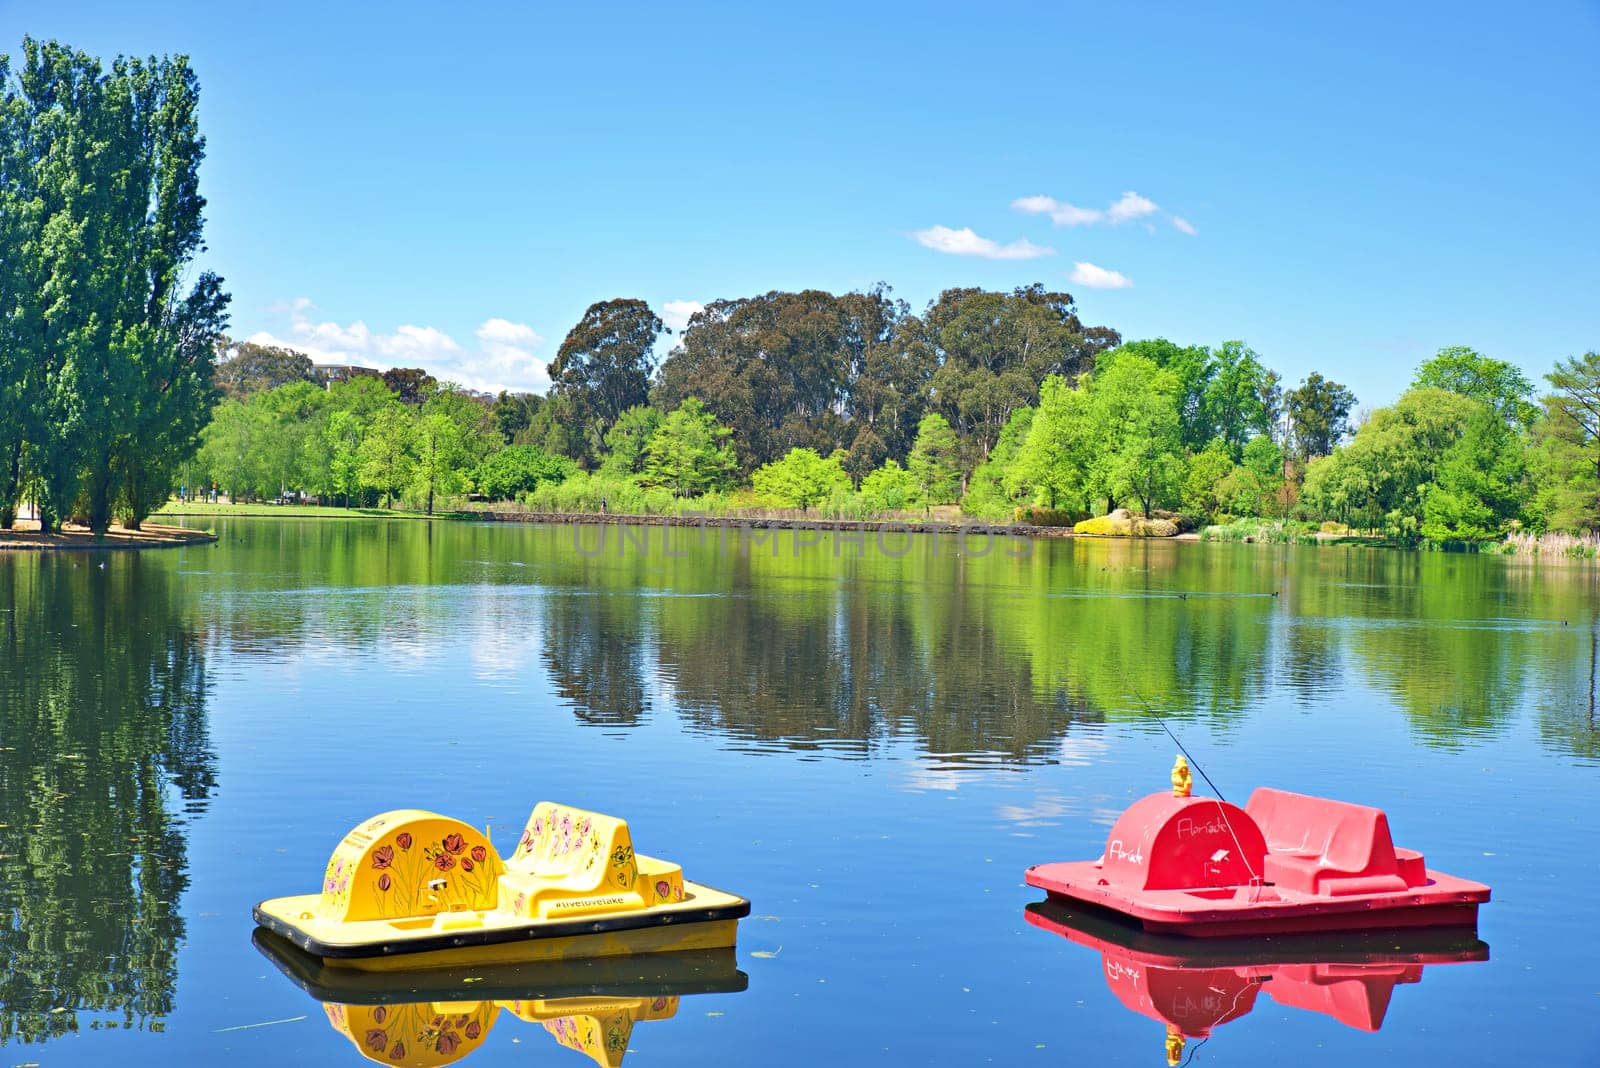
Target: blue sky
452, 185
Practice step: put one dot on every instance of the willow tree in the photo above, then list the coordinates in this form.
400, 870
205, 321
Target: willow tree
102, 219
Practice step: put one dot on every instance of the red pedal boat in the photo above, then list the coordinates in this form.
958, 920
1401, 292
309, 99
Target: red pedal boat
1285, 863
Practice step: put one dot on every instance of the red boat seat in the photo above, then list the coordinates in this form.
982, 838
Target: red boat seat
1316, 845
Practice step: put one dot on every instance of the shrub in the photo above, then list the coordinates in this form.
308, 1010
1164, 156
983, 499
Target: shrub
1266, 531
1122, 524
1045, 517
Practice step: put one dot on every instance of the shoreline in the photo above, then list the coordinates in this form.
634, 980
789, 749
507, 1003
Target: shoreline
732, 522
73, 538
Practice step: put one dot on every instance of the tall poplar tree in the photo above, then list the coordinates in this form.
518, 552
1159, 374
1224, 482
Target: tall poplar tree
102, 219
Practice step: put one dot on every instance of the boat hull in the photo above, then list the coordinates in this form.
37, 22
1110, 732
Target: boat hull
1441, 901
705, 919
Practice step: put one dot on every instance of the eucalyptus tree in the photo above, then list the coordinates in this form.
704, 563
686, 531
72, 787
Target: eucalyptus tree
1319, 415
799, 370
604, 365
993, 350
252, 368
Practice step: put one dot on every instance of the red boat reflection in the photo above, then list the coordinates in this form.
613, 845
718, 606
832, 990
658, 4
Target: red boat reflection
1194, 986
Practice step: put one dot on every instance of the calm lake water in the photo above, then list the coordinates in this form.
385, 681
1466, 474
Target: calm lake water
871, 742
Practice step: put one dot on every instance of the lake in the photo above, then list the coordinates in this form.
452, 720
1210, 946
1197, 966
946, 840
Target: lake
870, 739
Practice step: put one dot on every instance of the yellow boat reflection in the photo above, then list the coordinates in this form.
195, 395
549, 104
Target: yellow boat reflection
418, 1019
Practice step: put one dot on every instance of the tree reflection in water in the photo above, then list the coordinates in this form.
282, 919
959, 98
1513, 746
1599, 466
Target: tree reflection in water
102, 718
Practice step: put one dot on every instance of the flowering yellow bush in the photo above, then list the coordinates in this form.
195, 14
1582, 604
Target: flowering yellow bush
1123, 524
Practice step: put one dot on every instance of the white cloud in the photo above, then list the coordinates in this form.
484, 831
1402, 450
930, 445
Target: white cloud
506, 357
1087, 274
677, 313
1061, 213
503, 358
1130, 206
1127, 208
964, 242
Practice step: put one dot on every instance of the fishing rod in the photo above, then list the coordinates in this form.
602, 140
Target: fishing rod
1161, 720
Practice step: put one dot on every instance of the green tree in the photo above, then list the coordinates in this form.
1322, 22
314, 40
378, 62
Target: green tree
104, 207
1255, 487
1207, 477
1480, 485
294, 453
1052, 462
604, 366
890, 488
887, 380
343, 434
1569, 435
518, 469
1382, 476
21, 384
512, 412
690, 453
988, 495
993, 352
775, 368
935, 461
1495, 383
411, 384
554, 428
1194, 368
801, 479
233, 448
1237, 396
440, 447
625, 441
353, 406
1135, 424
1319, 415
252, 369
387, 452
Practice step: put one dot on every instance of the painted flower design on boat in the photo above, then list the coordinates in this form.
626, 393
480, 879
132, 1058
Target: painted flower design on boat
403, 840
454, 844
382, 857
377, 1039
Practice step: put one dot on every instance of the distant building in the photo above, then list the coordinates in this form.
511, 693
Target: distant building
328, 373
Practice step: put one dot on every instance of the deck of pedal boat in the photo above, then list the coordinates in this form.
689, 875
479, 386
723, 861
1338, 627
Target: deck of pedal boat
705, 919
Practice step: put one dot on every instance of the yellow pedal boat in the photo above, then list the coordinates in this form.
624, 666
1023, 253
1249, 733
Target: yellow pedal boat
410, 889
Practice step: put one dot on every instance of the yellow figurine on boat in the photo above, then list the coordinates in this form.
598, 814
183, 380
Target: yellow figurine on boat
409, 889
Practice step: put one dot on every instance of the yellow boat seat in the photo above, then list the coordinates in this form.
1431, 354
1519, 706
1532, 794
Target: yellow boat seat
572, 862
